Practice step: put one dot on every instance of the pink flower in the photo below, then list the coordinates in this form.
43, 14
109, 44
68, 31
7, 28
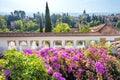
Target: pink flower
64, 54
80, 71
57, 75
6, 72
118, 53
99, 67
54, 59
56, 66
50, 71
75, 57
72, 65
69, 70
28, 51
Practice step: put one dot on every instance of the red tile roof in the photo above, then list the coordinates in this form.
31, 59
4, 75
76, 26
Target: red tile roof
97, 28
105, 29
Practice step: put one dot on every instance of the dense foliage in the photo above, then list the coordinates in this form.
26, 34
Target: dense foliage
3, 25
84, 28
61, 27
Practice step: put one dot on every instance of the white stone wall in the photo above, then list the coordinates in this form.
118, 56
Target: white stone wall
4, 40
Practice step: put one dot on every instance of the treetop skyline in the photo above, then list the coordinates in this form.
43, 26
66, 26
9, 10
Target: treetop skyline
61, 5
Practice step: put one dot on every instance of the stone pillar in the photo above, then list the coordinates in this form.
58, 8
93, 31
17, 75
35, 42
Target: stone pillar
51, 43
40, 43
28, 44
86, 43
17, 45
74, 43
63, 43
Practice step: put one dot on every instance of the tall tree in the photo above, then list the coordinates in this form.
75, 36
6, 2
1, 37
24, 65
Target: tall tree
22, 14
48, 27
16, 13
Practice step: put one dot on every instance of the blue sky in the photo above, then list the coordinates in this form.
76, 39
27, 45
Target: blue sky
73, 6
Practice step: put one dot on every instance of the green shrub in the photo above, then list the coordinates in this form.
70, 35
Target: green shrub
2, 64
24, 67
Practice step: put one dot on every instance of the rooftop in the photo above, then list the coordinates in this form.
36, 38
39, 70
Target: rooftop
51, 34
105, 29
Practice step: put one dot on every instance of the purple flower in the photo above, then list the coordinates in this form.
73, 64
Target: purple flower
47, 66
53, 59
57, 75
65, 55
99, 67
42, 53
50, 71
75, 57
6, 72
80, 71
61, 78
80, 55
56, 66
95, 50
47, 50
90, 48
118, 53
28, 51
72, 65
69, 70
54, 53
102, 51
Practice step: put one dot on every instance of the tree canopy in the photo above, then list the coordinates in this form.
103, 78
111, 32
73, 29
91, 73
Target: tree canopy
84, 28
3, 25
61, 27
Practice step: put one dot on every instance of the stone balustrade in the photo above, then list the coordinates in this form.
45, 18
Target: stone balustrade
24, 40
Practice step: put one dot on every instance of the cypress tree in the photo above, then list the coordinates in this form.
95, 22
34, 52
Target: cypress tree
48, 27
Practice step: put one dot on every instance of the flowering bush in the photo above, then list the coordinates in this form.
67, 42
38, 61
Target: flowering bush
71, 64
93, 63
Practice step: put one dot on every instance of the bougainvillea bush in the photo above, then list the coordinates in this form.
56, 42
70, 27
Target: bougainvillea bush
93, 63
